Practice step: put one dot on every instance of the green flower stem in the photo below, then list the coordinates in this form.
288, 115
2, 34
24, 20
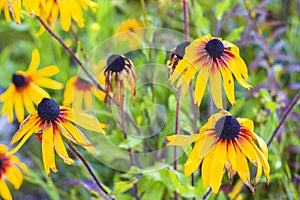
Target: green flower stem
105, 194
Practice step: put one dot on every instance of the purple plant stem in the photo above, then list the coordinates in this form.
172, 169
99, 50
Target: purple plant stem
288, 110
87, 166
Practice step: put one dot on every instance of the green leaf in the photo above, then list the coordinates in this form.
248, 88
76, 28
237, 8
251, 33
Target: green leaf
130, 143
235, 34
123, 186
222, 7
156, 191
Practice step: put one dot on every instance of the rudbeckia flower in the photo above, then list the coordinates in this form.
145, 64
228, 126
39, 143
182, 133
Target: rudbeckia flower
225, 141
13, 8
131, 30
79, 90
211, 57
10, 172
119, 72
25, 88
67, 10
53, 122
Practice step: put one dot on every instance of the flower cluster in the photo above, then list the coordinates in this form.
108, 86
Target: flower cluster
224, 141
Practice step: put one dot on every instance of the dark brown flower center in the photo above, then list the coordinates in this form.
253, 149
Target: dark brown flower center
115, 63
48, 109
4, 163
18, 80
180, 49
214, 48
227, 127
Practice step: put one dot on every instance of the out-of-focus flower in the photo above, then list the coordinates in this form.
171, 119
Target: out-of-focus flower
10, 172
51, 121
225, 142
11, 8
79, 90
25, 88
119, 72
67, 10
131, 30
211, 57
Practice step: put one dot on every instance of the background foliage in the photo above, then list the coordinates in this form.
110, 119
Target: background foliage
267, 33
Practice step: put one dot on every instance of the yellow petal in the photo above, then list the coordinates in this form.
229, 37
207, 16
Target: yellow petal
37, 93
88, 99
231, 156
35, 61
61, 149
99, 94
247, 148
49, 83
187, 77
234, 68
262, 145
206, 168
79, 136
228, 84
14, 176
48, 148
65, 15
182, 140
181, 66
4, 192
193, 161
218, 162
201, 84
208, 144
28, 102
246, 123
19, 163
19, 107
68, 94
46, 71
8, 93
77, 99
3, 149
215, 87
85, 120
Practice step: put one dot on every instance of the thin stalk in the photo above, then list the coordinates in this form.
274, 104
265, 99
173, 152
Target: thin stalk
87, 166
288, 110
77, 43
123, 128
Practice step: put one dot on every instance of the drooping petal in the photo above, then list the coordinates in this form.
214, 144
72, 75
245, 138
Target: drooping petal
79, 136
206, 168
60, 148
193, 161
231, 156
228, 84
85, 120
77, 99
181, 66
215, 87
48, 148
68, 94
201, 84
14, 176
19, 108
4, 192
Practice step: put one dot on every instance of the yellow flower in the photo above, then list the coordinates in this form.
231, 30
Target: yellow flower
131, 30
119, 72
52, 121
25, 88
67, 10
225, 142
79, 90
10, 172
13, 8
211, 57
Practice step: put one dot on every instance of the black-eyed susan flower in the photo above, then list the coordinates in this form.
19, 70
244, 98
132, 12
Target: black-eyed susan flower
119, 72
211, 57
26, 88
67, 10
11, 8
225, 141
9, 171
176, 55
131, 30
53, 122
79, 90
